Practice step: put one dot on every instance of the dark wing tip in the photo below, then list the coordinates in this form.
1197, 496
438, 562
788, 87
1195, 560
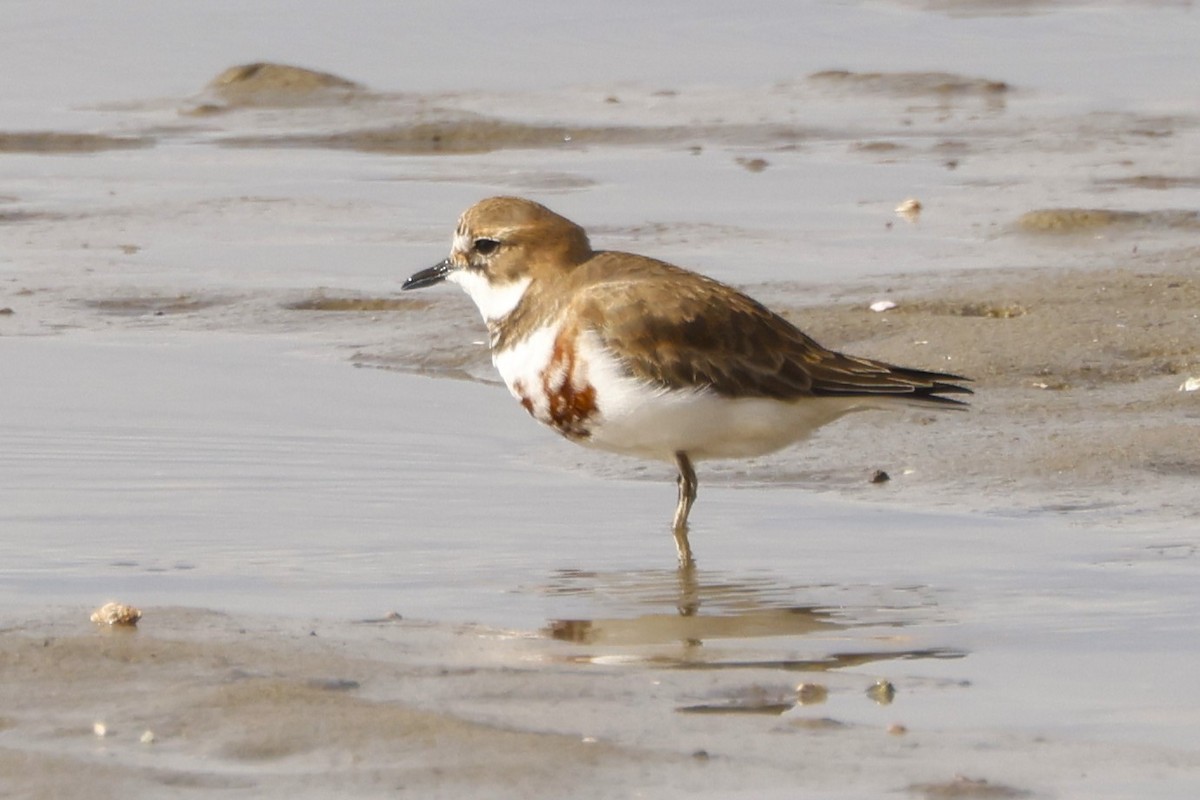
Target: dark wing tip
932, 386
934, 394
886, 380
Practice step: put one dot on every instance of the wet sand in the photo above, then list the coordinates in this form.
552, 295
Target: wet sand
1080, 378
649, 700
205, 703
1006, 580
363, 570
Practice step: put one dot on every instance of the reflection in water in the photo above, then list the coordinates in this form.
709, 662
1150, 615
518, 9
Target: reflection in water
747, 608
665, 618
756, 627
692, 626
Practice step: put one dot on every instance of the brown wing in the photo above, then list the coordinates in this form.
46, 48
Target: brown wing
677, 329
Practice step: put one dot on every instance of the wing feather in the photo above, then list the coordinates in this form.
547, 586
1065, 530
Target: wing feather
680, 330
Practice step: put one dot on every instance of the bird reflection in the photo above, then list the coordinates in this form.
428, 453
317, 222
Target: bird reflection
735, 609
692, 620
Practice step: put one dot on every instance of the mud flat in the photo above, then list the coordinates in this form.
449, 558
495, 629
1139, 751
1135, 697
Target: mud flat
263, 707
363, 571
1013, 551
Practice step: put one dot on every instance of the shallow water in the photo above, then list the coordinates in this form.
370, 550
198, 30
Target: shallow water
265, 477
182, 426
260, 478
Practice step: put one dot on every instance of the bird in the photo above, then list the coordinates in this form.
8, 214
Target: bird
633, 355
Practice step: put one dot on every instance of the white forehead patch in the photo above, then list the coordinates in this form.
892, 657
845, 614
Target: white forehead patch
494, 301
461, 243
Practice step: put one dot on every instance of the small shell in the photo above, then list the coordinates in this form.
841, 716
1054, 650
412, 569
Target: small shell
882, 692
147, 737
100, 729
116, 614
1190, 385
811, 693
910, 209
882, 305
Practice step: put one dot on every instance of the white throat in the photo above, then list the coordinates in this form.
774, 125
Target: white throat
494, 301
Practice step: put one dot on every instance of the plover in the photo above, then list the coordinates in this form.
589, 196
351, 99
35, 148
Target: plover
637, 356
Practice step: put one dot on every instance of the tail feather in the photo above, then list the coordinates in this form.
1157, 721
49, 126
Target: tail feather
885, 379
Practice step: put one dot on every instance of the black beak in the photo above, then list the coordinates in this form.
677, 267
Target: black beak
428, 277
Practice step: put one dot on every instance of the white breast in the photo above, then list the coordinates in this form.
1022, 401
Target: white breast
636, 418
524, 365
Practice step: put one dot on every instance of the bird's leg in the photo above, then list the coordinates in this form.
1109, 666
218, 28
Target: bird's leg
688, 587
687, 496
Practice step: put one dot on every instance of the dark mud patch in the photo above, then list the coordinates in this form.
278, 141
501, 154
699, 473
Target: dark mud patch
532, 181
1179, 467
468, 136
985, 8
51, 142
1091, 220
345, 303
15, 217
1155, 182
752, 164
964, 788
877, 147
736, 707
456, 133
908, 84
155, 305
11, 212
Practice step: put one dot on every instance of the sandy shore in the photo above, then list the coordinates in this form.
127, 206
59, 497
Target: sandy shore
200, 702
189, 283
1078, 421
1080, 378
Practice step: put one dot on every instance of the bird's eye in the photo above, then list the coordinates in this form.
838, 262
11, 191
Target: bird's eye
486, 247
